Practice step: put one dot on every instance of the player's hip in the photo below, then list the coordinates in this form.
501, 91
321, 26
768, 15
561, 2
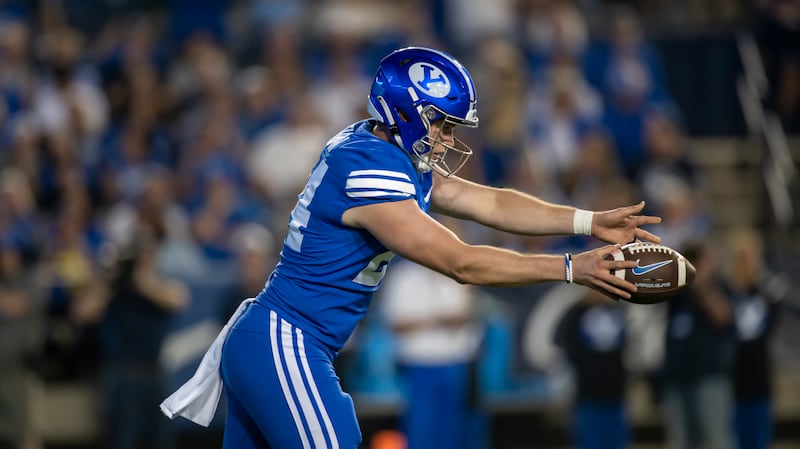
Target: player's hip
268, 332
284, 381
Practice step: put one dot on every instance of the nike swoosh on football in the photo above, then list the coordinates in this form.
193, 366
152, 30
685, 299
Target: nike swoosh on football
638, 271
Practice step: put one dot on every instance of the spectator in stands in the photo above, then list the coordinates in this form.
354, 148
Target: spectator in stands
282, 49
77, 291
698, 364
595, 169
681, 207
666, 156
254, 247
628, 73
668, 179
259, 104
22, 151
592, 334
179, 255
16, 73
22, 307
756, 301
779, 36
68, 100
282, 155
502, 75
130, 152
438, 338
561, 111
216, 214
467, 23
335, 91
136, 321
21, 222
551, 29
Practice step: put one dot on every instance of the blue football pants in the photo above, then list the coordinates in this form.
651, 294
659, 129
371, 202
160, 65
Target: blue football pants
282, 391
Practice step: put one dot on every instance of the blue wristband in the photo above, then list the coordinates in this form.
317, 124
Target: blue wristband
568, 267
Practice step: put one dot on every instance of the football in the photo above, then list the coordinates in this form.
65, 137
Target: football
660, 271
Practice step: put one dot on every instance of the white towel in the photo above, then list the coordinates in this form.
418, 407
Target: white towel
197, 399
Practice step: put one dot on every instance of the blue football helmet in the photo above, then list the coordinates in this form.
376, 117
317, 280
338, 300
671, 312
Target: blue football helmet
415, 87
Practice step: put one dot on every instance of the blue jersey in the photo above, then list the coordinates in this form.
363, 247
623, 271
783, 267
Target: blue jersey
328, 271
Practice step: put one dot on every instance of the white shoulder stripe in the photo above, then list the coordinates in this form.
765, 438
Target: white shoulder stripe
387, 173
374, 193
380, 183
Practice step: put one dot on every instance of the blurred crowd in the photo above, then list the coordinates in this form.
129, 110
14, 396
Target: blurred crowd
150, 152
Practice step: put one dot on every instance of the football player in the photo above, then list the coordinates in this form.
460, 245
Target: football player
368, 199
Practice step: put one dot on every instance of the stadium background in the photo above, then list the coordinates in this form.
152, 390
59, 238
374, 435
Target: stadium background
202, 117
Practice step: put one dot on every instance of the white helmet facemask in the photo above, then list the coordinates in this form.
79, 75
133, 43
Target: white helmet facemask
433, 152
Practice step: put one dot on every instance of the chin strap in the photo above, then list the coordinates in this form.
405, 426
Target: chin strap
421, 165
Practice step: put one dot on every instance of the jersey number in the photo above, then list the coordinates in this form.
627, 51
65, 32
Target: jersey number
375, 271
300, 214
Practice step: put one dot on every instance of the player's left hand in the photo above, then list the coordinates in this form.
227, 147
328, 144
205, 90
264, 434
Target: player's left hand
622, 225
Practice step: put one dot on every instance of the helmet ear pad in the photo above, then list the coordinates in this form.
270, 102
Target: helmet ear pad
403, 116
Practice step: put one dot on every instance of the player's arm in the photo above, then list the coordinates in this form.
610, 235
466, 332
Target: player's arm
514, 211
405, 229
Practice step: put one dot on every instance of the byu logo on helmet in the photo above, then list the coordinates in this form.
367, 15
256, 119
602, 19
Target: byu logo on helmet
429, 79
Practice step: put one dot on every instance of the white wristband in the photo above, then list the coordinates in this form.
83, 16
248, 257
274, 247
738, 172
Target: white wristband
582, 222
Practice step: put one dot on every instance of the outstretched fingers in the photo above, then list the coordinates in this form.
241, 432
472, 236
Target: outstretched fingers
647, 220
634, 209
642, 234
